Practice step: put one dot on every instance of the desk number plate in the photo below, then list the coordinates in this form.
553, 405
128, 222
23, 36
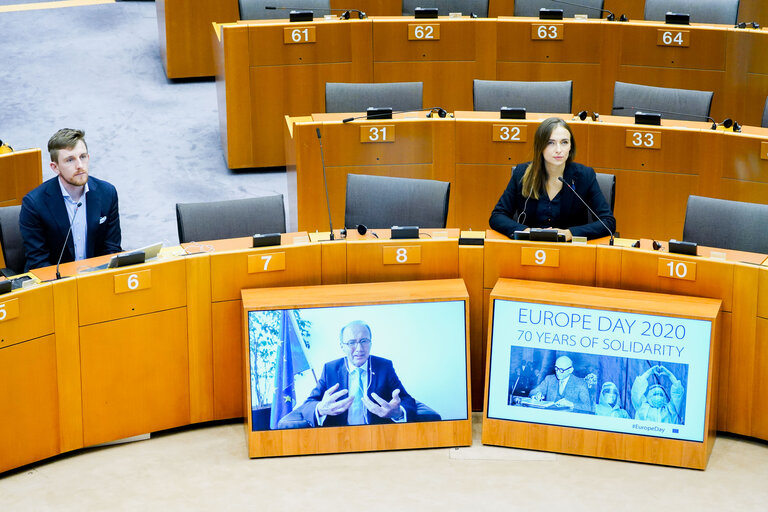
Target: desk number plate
378, 133
679, 38
677, 269
266, 262
299, 35
402, 255
9, 310
423, 32
764, 150
510, 133
643, 139
540, 257
547, 32
134, 281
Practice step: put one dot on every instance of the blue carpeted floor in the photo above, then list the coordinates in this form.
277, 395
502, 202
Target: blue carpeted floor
98, 68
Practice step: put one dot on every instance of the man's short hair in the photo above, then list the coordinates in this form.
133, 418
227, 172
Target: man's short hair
354, 323
66, 138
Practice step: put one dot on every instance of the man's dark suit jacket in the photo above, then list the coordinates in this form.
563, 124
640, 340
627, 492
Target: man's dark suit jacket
573, 214
44, 223
383, 381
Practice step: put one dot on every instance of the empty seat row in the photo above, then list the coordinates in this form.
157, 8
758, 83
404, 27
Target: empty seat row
547, 97
723, 12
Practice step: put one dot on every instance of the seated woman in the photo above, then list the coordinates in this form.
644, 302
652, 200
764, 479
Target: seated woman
534, 197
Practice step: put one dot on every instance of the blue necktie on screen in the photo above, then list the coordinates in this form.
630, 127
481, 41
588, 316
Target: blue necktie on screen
357, 411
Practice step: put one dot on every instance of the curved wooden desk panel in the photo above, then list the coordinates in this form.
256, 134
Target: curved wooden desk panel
30, 402
21, 171
258, 87
184, 26
177, 363
101, 298
135, 376
654, 177
17, 321
234, 266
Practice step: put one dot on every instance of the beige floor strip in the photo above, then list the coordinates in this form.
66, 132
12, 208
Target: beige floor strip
52, 5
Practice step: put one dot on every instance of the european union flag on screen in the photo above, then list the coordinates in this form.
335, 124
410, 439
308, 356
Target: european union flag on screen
290, 361
675, 430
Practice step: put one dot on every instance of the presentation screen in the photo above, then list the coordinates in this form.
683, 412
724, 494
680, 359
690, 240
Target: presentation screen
596, 369
358, 365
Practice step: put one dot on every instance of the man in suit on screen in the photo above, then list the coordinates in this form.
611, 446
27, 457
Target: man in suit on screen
563, 388
357, 389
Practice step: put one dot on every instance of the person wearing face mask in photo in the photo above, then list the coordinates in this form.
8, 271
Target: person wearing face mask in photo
608, 402
652, 402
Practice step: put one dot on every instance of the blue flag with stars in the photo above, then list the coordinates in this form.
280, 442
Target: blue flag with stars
284, 399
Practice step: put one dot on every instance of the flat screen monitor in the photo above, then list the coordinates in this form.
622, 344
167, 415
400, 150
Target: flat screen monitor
597, 369
297, 355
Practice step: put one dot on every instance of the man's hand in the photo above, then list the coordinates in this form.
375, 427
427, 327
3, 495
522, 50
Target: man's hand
564, 403
538, 397
332, 403
382, 408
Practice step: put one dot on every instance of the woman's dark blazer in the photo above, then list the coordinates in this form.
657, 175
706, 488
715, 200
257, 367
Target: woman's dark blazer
573, 213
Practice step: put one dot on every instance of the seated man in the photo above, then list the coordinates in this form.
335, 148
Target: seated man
89, 206
357, 389
563, 388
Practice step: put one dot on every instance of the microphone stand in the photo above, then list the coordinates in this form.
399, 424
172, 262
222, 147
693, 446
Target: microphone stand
588, 208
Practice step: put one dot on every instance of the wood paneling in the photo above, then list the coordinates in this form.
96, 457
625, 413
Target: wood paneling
135, 376
21, 171
30, 403
100, 300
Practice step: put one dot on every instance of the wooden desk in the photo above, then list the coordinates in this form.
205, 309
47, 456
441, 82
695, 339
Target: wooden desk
184, 26
184, 30
742, 358
653, 181
87, 339
262, 80
21, 171
295, 263
416, 148
31, 428
446, 59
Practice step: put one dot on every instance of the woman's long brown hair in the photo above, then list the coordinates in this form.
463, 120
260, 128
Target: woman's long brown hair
535, 174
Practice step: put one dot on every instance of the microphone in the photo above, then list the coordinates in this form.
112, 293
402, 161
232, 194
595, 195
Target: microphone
588, 208
325, 182
344, 16
69, 231
610, 17
441, 112
658, 111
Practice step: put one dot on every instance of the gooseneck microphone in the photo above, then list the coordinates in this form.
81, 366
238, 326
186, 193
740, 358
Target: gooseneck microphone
69, 231
325, 181
344, 16
441, 112
610, 17
588, 208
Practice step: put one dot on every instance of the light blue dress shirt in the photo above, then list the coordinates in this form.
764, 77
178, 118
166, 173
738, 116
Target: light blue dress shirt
79, 221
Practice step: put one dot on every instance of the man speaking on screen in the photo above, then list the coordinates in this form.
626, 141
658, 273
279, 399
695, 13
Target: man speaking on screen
358, 389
